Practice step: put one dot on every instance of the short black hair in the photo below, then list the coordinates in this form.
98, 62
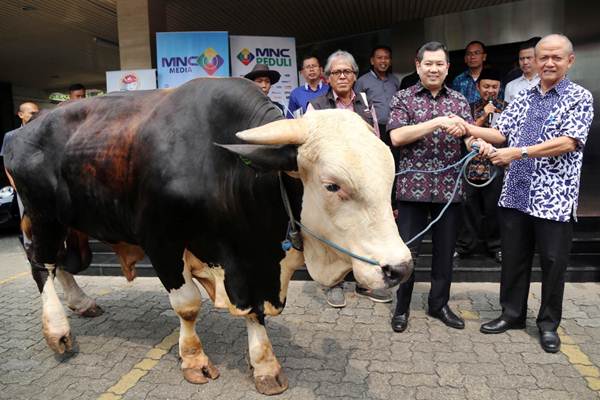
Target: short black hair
432, 46
381, 47
76, 86
309, 56
476, 42
530, 43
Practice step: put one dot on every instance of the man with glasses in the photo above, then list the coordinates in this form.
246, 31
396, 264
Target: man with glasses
314, 87
341, 70
466, 83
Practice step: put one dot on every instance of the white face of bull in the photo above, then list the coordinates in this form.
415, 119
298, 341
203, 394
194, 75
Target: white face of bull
347, 174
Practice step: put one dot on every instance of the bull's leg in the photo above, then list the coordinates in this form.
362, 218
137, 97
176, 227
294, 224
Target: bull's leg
268, 375
76, 299
54, 321
186, 302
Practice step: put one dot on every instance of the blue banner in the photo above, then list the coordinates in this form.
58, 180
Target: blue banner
182, 56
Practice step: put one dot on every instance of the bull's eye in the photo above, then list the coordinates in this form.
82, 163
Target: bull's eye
332, 187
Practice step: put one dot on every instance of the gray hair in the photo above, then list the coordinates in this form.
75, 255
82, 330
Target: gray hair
557, 36
340, 54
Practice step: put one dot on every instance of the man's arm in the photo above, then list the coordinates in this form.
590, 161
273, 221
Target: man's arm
490, 135
550, 148
411, 133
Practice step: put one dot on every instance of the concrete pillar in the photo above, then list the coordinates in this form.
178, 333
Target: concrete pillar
138, 21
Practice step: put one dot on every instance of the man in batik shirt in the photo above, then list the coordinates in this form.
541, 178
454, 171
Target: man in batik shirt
546, 127
427, 122
480, 218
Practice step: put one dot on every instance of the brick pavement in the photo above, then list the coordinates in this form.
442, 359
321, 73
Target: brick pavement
326, 353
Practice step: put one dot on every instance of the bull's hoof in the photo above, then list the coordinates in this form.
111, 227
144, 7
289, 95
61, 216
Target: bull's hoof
91, 312
60, 343
200, 375
270, 385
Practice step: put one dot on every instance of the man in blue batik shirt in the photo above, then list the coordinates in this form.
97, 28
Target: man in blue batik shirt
546, 127
466, 83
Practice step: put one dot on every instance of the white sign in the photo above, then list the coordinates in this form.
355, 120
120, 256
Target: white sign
133, 79
278, 53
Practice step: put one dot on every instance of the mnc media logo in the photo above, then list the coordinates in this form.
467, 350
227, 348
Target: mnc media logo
245, 56
210, 61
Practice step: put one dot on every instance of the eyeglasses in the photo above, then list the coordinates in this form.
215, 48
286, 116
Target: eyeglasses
474, 53
313, 66
339, 72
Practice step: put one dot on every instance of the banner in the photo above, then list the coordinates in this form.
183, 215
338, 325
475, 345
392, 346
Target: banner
278, 53
132, 79
182, 56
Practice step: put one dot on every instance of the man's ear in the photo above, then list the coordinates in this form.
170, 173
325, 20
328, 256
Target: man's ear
265, 157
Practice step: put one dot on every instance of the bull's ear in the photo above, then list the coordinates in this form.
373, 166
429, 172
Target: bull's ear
285, 131
265, 157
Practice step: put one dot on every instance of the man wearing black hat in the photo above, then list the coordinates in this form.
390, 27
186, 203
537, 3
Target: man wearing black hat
264, 78
480, 208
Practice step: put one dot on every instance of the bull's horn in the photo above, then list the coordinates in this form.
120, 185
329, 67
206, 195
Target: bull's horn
285, 131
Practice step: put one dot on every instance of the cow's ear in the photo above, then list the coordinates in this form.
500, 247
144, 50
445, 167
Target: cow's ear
265, 157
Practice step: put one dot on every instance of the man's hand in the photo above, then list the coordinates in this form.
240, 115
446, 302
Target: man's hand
489, 108
485, 148
503, 157
455, 125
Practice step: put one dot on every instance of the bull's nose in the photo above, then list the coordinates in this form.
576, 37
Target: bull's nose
394, 274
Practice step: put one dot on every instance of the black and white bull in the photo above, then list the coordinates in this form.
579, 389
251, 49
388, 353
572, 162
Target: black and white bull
141, 171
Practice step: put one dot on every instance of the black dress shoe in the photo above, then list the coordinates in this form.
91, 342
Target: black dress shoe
550, 341
500, 325
446, 315
400, 322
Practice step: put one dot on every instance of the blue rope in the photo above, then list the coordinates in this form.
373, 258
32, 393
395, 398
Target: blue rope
463, 162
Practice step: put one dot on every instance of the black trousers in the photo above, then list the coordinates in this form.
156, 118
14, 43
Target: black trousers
521, 233
385, 136
480, 218
412, 219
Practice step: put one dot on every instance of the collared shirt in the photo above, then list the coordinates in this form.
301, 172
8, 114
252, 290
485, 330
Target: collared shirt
546, 187
328, 101
516, 85
379, 91
340, 104
435, 151
480, 169
300, 96
465, 84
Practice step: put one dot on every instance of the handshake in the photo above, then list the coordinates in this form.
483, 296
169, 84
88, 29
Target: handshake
453, 125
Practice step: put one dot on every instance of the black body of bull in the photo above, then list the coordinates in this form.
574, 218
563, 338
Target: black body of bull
142, 168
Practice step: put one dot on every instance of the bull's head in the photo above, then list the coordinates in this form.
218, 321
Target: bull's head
347, 174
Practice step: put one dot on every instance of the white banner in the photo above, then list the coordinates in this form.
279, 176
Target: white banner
278, 53
133, 79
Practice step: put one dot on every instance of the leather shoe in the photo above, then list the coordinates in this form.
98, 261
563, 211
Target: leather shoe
550, 341
446, 315
500, 325
400, 322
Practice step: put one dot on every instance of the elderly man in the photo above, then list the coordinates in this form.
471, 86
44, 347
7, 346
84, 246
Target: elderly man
427, 124
465, 83
314, 87
546, 127
341, 70
380, 85
530, 77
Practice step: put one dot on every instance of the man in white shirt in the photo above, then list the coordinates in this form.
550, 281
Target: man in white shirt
529, 78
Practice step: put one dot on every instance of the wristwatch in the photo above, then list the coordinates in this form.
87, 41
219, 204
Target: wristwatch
524, 153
